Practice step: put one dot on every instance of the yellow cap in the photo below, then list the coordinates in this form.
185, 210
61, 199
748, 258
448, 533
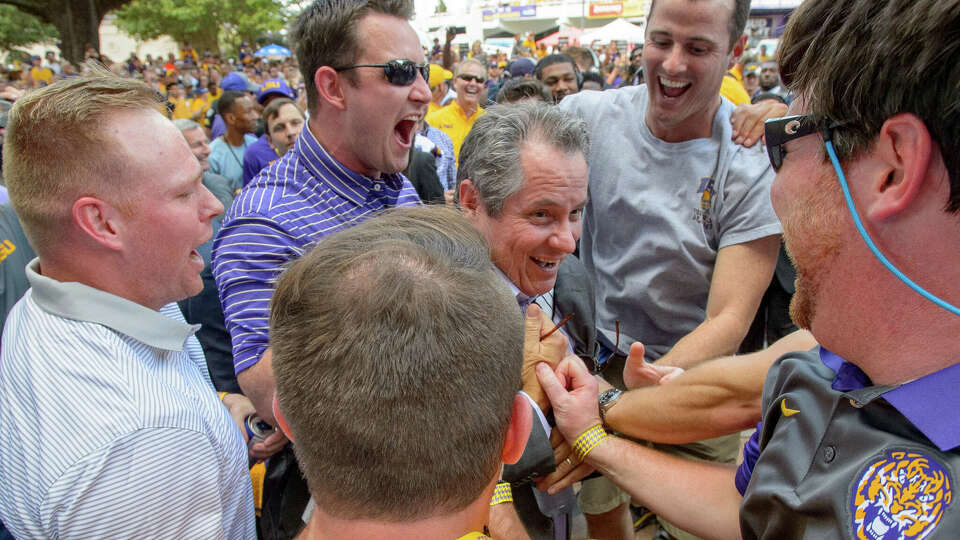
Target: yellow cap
438, 75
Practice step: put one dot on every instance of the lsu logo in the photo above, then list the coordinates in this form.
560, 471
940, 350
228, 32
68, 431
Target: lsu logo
900, 495
6, 248
707, 193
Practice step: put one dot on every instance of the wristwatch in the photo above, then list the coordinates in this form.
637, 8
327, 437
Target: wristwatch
608, 399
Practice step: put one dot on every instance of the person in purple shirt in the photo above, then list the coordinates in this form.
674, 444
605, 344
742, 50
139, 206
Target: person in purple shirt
266, 149
344, 166
282, 122
860, 436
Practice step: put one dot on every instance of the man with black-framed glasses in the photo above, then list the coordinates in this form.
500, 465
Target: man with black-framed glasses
457, 118
366, 92
860, 436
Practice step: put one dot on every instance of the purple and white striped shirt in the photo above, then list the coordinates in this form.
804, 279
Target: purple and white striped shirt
288, 207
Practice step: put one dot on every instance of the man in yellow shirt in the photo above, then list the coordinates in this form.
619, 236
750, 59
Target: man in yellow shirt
439, 85
458, 117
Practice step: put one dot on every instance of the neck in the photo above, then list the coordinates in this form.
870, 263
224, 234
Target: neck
468, 108
324, 526
326, 132
102, 275
234, 136
697, 126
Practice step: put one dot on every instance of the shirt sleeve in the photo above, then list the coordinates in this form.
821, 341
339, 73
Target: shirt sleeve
248, 255
751, 451
746, 212
152, 483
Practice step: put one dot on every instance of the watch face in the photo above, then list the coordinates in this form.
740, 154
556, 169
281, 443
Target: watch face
608, 396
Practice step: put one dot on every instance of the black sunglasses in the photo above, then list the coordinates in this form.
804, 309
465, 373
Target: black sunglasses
468, 77
397, 72
780, 131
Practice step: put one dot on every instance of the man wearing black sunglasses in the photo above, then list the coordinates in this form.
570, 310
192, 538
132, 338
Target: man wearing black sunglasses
457, 118
860, 437
366, 92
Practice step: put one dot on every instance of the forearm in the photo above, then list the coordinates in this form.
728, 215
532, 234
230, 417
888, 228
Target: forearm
715, 337
697, 496
258, 385
715, 398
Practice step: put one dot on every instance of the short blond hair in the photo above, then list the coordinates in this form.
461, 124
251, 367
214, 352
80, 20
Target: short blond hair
57, 149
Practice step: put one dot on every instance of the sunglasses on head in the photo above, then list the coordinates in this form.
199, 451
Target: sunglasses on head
472, 78
780, 131
397, 72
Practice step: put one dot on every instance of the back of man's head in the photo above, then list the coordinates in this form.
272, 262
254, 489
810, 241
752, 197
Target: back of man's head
56, 148
523, 88
490, 155
395, 378
326, 34
858, 79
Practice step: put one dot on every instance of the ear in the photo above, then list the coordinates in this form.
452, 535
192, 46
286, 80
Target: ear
330, 87
281, 420
737, 51
469, 198
99, 220
899, 164
518, 431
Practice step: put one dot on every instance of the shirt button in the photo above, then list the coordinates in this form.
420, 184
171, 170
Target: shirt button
377, 187
829, 453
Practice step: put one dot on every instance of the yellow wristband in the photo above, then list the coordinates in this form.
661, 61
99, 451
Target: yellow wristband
588, 440
223, 395
501, 494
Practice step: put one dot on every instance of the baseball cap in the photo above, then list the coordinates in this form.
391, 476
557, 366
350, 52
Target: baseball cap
438, 75
521, 67
236, 81
275, 86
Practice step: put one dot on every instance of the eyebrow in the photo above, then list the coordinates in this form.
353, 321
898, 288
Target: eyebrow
694, 38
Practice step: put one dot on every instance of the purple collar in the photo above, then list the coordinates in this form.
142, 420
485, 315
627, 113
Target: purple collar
930, 402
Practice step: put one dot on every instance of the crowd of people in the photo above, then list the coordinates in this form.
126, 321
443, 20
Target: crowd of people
384, 291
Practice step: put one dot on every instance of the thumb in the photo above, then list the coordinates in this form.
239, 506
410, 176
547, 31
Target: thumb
531, 328
549, 382
636, 351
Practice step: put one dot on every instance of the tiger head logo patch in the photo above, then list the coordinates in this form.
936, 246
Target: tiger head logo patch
901, 494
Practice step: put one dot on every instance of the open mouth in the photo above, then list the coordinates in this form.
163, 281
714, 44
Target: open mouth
405, 130
546, 265
673, 88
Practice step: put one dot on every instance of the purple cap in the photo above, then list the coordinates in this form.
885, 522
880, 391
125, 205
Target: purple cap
521, 67
237, 81
275, 86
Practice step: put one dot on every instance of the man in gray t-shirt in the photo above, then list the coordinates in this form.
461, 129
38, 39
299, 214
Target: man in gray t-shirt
679, 233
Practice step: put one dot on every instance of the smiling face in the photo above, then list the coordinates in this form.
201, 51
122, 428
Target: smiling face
381, 118
170, 209
540, 223
468, 84
199, 146
560, 78
685, 57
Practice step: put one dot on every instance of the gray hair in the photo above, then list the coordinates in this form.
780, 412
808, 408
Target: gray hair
490, 155
185, 124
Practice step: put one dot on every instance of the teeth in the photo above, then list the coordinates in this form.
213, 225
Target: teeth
542, 262
412, 117
672, 84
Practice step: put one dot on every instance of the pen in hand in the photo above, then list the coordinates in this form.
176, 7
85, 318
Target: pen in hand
557, 327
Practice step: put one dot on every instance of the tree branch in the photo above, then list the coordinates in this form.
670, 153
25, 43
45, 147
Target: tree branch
32, 8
